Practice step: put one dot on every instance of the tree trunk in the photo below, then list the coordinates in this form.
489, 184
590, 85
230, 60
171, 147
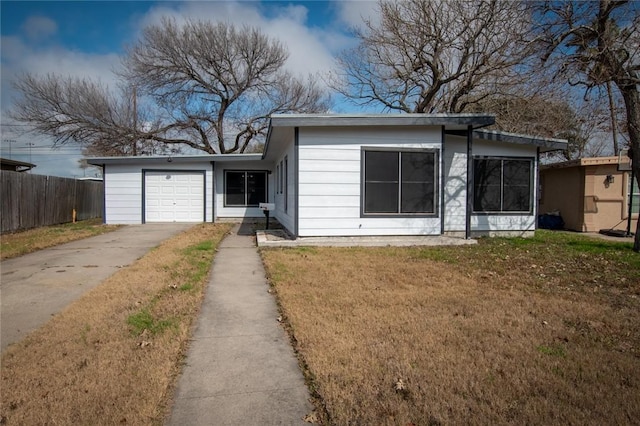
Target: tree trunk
632, 103
614, 124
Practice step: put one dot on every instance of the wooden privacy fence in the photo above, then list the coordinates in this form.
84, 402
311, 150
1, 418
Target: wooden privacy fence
29, 201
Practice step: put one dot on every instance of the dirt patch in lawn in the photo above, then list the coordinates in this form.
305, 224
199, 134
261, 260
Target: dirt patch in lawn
112, 357
24, 242
518, 331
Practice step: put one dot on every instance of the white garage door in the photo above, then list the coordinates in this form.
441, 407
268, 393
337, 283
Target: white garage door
174, 197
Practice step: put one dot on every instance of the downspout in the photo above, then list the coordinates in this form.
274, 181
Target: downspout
467, 230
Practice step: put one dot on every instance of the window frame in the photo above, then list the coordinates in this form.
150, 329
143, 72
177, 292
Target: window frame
280, 177
285, 181
532, 172
246, 192
436, 182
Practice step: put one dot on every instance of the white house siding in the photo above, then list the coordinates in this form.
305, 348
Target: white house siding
286, 217
123, 194
506, 223
239, 212
329, 180
455, 185
123, 189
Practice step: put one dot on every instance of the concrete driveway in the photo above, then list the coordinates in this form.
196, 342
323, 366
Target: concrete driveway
38, 285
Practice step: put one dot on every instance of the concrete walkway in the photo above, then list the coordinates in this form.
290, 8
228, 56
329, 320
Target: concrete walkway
240, 369
38, 285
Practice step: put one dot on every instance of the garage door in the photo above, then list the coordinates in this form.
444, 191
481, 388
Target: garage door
174, 196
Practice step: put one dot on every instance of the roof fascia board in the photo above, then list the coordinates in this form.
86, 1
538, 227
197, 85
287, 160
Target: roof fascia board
548, 143
583, 162
11, 162
302, 120
267, 139
99, 161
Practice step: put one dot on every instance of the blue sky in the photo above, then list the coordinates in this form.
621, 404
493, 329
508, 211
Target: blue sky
87, 38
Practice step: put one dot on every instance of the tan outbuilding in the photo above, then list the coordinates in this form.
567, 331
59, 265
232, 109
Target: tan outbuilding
591, 194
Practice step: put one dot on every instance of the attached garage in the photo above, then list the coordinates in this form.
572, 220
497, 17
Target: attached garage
174, 196
176, 188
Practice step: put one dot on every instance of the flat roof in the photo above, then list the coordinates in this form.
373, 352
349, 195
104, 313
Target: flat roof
101, 161
11, 162
587, 161
286, 122
322, 120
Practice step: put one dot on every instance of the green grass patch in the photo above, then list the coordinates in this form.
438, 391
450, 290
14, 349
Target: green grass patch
303, 250
191, 269
552, 350
568, 258
203, 246
199, 258
144, 320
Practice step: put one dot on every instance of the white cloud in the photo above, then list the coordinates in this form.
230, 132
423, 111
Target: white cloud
39, 27
311, 51
19, 57
354, 13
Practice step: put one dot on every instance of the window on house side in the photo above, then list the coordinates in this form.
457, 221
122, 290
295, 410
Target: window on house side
245, 188
399, 182
502, 185
286, 184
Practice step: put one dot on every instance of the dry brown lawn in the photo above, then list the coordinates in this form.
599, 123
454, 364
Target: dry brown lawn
540, 331
112, 356
19, 243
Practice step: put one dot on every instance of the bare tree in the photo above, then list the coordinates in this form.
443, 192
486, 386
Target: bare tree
550, 114
594, 43
437, 55
215, 83
76, 110
210, 87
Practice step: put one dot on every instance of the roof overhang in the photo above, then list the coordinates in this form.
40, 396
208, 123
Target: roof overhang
21, 166
545, 144
281, 126
339, 120
583, 162
178, 159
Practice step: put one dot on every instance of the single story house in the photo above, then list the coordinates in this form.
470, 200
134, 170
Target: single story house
345, 175
591, 194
